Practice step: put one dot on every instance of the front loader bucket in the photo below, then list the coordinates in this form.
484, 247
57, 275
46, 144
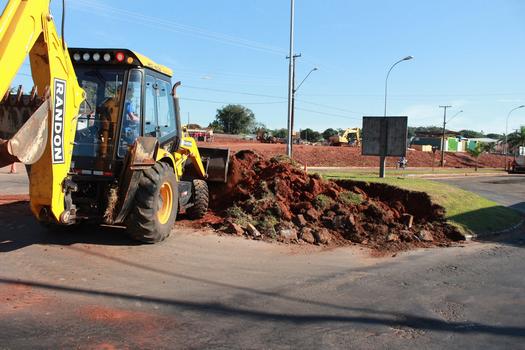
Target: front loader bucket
23, 128
215, 162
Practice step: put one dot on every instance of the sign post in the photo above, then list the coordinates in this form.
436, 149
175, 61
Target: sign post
383, 137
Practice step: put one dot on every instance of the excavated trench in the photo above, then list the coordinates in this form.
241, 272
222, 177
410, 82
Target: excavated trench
275, 200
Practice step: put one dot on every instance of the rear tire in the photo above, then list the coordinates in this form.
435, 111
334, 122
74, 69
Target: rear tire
201, 199
155, 207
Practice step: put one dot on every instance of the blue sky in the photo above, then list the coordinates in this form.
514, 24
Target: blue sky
468, 54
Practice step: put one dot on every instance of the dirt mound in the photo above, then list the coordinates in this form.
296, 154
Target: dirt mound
329, 156
275, 199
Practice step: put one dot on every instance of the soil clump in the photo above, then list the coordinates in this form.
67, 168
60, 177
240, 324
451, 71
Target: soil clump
274, 199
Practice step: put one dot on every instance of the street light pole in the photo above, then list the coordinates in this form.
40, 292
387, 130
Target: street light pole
506, 129
454, 116
442, 163
382, 159
293, 98
290, 131
388, 74
291, 69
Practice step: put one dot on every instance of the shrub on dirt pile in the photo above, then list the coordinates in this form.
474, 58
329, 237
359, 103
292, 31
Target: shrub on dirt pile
275, 199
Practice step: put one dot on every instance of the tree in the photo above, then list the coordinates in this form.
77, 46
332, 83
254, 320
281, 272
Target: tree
280, 133
329, 132
517, 138
234, 119
488, 147
471, 134
310, 135
258, 126
495, 136
476, 152
412, 131
216, 126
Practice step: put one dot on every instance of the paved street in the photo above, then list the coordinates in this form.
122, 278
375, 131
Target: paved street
93, 288
506, 190
13, 183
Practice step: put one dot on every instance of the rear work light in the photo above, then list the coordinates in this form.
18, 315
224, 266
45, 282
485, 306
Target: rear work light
119, 56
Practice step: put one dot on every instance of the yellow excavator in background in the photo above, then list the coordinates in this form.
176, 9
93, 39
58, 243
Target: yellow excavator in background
351, 137
100, 133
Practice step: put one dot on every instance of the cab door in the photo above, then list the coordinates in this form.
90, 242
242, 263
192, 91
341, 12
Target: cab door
160, 119
150, 107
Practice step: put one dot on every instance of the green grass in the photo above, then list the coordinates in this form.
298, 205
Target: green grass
467, 210
408, 172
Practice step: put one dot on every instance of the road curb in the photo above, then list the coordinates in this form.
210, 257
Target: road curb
475, 236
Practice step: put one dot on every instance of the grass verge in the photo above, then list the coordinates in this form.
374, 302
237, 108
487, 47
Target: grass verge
468, 211
407, 172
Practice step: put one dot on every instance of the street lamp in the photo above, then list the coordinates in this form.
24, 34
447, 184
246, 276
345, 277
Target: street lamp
388, 74
506, 129
382, 159
295, 89
448, 121
307, 75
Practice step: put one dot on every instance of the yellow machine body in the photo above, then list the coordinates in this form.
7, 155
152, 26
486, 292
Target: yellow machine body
27, 28
47, 141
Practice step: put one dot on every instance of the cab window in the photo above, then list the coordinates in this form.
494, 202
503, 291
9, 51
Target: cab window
165, 108
150, 107
131, 112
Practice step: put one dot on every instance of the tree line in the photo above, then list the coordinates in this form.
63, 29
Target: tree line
238, 119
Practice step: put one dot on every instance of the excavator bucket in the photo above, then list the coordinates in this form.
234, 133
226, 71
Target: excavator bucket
23, 128
215, 162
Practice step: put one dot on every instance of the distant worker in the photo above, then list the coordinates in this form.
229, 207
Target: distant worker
402, 162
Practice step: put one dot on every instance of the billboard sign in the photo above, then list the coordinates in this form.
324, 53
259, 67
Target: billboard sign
385, 136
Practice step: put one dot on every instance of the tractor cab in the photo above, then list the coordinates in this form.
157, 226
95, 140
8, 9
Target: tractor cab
127, 96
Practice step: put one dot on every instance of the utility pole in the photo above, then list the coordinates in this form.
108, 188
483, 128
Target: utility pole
443, 134
291, 69
294, 90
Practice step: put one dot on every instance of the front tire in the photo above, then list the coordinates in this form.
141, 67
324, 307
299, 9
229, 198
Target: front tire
201, 199
156, 204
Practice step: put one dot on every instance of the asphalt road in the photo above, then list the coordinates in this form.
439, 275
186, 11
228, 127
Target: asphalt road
13, 183
506, 190
94, 289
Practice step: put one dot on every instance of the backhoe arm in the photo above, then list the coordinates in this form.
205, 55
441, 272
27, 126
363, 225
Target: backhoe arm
27, 28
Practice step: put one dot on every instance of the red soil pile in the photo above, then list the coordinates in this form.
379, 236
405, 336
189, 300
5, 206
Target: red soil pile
274, 199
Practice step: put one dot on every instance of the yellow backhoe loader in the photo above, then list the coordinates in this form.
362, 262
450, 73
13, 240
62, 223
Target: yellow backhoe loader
100, 132
350, 137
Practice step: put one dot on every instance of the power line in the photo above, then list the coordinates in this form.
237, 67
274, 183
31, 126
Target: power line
271, 96
226, 102
130, 16
421, 95
232, 92
327, 114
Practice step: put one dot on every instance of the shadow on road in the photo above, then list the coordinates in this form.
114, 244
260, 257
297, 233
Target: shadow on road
496, 224
519, 207
19, 229
362, 316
